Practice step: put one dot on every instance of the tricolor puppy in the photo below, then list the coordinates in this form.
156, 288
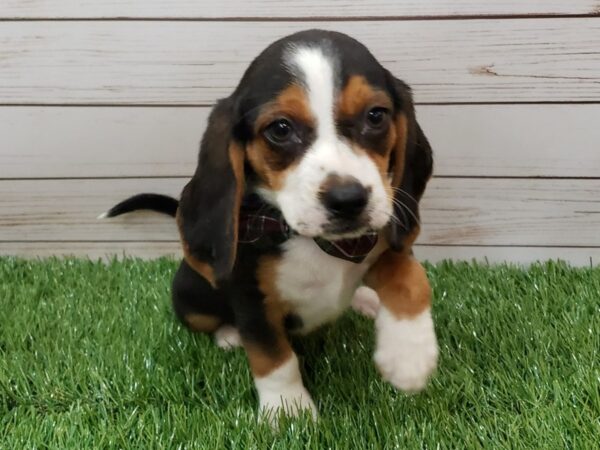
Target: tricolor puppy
307, 187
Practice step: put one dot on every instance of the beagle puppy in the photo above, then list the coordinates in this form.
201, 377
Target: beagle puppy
307, 187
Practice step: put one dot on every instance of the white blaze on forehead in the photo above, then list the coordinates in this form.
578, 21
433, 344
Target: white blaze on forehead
318, 73
329, 153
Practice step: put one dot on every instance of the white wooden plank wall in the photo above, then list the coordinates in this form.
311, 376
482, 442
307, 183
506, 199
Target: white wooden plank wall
194, 63
331, 9
102, 99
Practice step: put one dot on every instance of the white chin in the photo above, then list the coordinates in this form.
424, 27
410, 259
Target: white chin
307, 230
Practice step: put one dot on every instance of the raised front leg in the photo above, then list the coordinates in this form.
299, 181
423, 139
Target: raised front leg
406, 349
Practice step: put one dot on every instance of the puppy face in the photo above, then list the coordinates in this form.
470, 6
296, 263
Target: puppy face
320, 121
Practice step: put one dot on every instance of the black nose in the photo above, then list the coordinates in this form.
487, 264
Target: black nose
345, 200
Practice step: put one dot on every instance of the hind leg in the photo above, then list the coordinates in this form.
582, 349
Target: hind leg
227, 337
201, 308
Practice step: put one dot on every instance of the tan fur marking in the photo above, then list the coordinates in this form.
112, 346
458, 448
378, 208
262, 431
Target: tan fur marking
258, 155
204, 269
292, 102
401, 283
202, 322
397, 142
267, 282
264, 362
359, 95
382, 162
401, 137
236, 157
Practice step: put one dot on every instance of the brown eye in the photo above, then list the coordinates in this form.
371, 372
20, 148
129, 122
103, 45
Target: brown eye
377, 117
279, 132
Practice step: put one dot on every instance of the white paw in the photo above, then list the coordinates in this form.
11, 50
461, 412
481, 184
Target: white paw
291, 403
282, 392
227, 337
366, 302
406, 351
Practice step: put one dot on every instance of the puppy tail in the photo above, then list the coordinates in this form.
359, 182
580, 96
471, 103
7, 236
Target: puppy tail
153, 202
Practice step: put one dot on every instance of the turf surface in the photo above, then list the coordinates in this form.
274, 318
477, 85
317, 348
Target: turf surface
92, 357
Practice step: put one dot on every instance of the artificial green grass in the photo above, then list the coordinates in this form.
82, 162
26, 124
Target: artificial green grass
92, 357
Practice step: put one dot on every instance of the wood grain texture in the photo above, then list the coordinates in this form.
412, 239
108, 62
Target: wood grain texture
92, 250
194, 63
580, 257
298, 8
525, 212
99, 141
149, 250
468, 140
67, 210
514, 140
456, 211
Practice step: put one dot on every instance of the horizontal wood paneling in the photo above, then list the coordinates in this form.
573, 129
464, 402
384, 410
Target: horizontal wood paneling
525, 212
99, 141
66, 210
469, 140
432, 253
195, 63
297, 8
514, 140
93, 250
455, 211
582, 257
135, 64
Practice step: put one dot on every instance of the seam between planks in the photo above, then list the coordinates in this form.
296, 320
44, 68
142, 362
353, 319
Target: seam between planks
166, 177
168, 241
210, 105
305, 18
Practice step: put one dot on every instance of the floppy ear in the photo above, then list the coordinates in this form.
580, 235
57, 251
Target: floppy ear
411, 166
209, 207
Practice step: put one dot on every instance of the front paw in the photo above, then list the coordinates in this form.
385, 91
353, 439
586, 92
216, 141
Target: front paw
407, 351
366, 302
282, 392
291, 403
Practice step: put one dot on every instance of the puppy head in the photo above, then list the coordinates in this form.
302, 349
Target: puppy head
326, 130
324, 133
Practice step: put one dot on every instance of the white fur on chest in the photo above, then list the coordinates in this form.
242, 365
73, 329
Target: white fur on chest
317, 286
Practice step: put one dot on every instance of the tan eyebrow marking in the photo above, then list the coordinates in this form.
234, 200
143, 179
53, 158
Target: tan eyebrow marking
358, 94
292, 102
